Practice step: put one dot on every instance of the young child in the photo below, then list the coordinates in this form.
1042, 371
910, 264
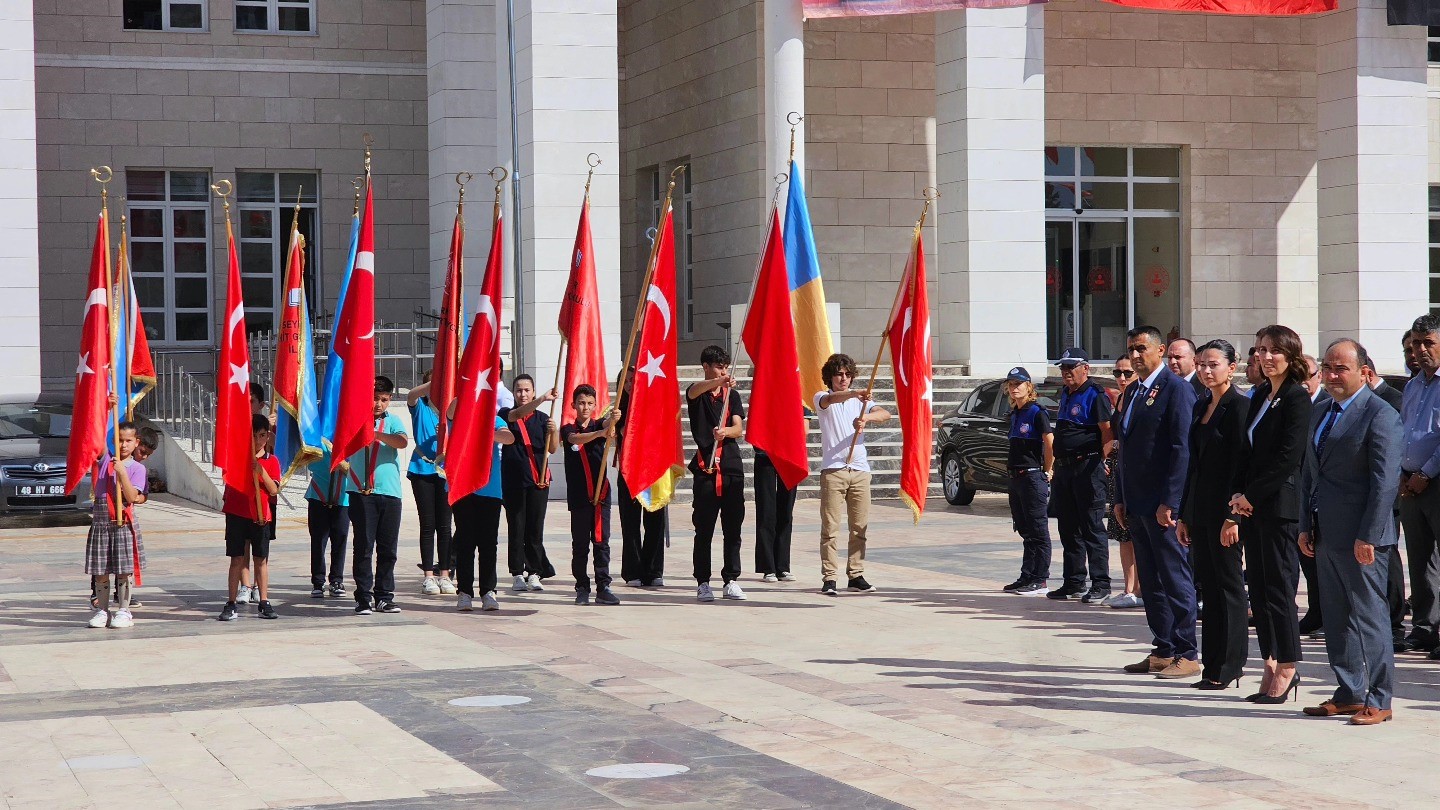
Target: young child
719, 487
584, 442
114, 546
1032, 460
248, 593
374, 487
328, 517
250, 523
477, 530
147, 439
432, 495
844, 476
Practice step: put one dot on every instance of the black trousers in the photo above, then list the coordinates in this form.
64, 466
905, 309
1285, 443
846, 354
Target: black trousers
525, 518
582, 539
1395, 591
376, 522
1029, 495
432, 507
477, 530
729, 507
1313, 613
328, 524
1077, 499
642, 539
1273, 568
1224, 636
774, 517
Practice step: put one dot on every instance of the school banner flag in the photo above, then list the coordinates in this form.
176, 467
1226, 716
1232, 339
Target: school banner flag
1413, 12
355, 345
776, 423
580, 324
807, 291
297, 417
334, 363
912, 360
1255, 8
133, 348
90, 413
234, 447
445, 366
473, 430
654, 459
814, 9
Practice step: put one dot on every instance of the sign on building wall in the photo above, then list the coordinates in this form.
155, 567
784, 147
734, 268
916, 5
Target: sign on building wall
857, 8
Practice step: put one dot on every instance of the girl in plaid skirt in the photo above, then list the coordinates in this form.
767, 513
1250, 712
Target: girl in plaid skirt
114, 546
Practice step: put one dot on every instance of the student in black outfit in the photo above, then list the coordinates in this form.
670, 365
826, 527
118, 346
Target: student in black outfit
1217, 432
527, 489
642, 533
774, 519
1082, 429
1032, 457
718, 493
584, 442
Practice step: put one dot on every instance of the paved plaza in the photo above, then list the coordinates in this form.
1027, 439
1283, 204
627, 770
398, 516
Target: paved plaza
936, 691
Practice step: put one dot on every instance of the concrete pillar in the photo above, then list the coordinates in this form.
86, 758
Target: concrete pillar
990, 139
19, 211
1373, 155
784, 88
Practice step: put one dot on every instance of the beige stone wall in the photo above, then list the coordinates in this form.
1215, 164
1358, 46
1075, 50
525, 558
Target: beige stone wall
224, 101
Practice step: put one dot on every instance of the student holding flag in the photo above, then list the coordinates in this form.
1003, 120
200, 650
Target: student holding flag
375, 493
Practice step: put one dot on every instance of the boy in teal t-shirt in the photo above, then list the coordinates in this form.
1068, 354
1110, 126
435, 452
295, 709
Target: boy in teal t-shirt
373, 485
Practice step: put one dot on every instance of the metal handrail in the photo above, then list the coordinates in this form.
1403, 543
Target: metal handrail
184, 405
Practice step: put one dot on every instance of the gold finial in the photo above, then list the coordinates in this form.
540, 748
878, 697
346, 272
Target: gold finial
498, 180
369, 141
461, 183
780, 180
359, 184
794, 119
930, 194
103, 175
223, 189
675, 176
591, 174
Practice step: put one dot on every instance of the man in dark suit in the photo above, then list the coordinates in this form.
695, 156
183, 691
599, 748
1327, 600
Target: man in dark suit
1180, 357
1154, 457
1349, 490
1395, 574
1313, 622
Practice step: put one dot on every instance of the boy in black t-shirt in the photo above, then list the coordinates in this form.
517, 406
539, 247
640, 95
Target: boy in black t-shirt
584, 442
1031, 459
719, 482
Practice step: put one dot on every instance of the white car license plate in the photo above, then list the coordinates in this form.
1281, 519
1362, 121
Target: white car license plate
40, 490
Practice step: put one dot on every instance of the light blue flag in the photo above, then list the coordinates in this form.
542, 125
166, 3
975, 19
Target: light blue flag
330, 402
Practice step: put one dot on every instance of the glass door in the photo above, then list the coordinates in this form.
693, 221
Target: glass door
1087, 284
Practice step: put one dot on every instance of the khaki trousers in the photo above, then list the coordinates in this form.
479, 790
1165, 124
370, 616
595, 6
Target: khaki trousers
844, 493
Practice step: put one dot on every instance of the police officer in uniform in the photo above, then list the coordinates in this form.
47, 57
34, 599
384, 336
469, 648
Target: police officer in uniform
1077, 497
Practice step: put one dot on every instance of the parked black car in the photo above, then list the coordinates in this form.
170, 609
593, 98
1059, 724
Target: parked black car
973, 441
34, 436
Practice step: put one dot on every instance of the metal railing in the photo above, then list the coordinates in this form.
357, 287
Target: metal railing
184, 405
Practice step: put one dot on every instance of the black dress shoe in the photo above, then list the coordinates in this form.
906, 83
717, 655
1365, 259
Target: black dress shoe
1309, 623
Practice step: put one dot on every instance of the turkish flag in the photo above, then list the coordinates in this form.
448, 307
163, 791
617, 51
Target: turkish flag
446, 365
654, 459
1259, 8
355, 344
474, 429
912, 359
776, 422
580, 324
92, 373
234, 447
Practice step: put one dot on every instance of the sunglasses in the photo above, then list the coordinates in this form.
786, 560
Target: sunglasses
1120, 374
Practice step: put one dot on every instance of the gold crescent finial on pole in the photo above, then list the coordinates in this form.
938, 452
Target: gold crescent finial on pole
780, 180
793, 119
223, 189
504, 173
369, 141
103, 175
592, 160
461, 183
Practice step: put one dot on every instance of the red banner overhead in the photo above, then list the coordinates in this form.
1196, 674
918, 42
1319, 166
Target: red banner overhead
860, 8
1257, 8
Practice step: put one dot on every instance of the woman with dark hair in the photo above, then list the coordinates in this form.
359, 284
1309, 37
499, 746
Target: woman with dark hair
1266, 497
1216, 436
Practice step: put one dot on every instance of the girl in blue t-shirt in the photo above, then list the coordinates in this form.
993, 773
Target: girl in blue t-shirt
1031, 460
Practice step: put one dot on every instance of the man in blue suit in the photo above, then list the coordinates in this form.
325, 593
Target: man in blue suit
1154, 456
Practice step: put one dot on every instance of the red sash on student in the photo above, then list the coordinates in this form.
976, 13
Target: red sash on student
530, 455
599, 535
714, 469
372, 459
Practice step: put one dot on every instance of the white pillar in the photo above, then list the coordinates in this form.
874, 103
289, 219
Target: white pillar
990, 139
1373, 162
19, 211
784, 88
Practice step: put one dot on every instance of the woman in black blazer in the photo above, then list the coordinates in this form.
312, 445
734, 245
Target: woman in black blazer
1266, 497
1217, 433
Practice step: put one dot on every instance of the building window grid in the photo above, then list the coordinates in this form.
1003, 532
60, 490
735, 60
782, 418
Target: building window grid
181, 16
264, 230
288, 17
1434, 243
1433, 44
167, 322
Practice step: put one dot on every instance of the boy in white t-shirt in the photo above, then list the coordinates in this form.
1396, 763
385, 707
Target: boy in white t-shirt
844, 485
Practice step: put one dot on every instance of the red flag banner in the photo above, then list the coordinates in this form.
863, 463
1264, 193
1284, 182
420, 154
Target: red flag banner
580, 323
92, 372
814, 9
447, 340
355, 344
912, 360
234, 448
654, 459
475, 408
1255, 8
776, 423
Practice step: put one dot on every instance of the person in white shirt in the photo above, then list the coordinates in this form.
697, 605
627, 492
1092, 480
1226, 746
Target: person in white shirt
844, 475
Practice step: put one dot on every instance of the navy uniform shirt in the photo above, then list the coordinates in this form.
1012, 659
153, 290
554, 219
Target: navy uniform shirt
705, 413
578, 483
1077, 426
1028, 427
516, 460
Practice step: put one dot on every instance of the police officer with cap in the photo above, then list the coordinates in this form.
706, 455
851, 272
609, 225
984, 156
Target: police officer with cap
1077, 497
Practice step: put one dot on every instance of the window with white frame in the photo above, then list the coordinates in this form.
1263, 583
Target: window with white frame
682, 206
163, 15
1435, 249
1434, 45
275, 16
267, 207
169, 215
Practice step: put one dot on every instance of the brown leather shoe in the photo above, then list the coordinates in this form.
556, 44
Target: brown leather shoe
1150, 664
1180, 668
1330, 708
1371, 716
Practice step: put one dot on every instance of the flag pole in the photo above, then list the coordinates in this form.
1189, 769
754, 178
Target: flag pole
635, 328
564, 342
108, 175
906, 288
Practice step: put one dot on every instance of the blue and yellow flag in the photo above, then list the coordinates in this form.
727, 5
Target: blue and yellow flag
807, 292
334, 365
297, 417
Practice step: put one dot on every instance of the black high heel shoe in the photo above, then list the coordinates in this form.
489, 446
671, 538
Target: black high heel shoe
1207, 685
1293, 688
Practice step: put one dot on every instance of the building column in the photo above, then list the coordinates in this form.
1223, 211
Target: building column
19, 203
784, 88
1373, 161
990, 139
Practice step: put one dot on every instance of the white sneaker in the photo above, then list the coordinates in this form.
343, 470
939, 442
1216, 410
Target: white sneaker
520, 586
534, 583
732, 591
122, 619
1125, 601
769, 578
242, 596
100, 619
786, 576
447, 587
634, 583
704, 594
430, 587
658, 582
489, 602
465, 602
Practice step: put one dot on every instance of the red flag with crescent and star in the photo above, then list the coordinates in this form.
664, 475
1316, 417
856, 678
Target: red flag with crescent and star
446, 365
654, 459
474, 426
355, 344
92, 373
234, 447
580, 324
912, 360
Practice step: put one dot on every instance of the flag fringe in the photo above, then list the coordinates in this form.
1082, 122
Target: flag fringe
664, 486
